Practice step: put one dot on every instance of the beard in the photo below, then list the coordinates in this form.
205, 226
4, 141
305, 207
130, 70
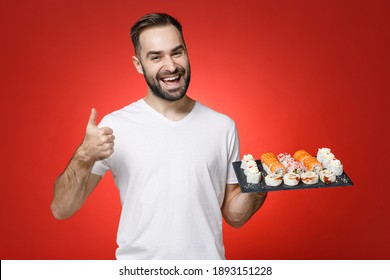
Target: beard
169, 94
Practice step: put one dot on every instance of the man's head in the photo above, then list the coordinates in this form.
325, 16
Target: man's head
161, 55
150, 21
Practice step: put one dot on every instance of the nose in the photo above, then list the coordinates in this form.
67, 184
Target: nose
169, 64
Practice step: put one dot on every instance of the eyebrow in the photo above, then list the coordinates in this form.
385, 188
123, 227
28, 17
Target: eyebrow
160, 52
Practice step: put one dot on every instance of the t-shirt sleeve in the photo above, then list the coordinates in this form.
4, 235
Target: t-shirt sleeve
102, 166
234, 155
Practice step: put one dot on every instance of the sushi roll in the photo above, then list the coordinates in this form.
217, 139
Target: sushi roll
326, 159
301, 155
308, 161
245, 159
249, 165
271, 164
291, 164
336, 167
291, 179
253, 175
309, 178
327, 176
294, 166
313, 165
283, 156
273, 180
321, 152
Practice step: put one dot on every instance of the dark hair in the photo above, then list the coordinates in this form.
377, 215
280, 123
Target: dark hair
152, 20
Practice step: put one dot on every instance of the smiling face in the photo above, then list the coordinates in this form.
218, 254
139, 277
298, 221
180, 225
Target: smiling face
163, 61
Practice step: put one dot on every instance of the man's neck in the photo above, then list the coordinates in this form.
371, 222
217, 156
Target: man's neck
173, 110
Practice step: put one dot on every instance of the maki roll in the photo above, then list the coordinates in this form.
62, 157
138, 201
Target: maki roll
245, 159
326, 159
291, 179
321, 152
312, 164
309, 178
336, 167
291, 164
271, 164
301, 155
252, 174
327, 176
308, 161
273, 180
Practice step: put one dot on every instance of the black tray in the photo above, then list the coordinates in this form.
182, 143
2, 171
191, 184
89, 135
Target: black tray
341, 181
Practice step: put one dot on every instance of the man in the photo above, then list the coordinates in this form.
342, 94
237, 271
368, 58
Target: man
172, 162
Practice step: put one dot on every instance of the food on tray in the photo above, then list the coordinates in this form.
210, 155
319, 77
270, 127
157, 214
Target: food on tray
321, 153
251, 170
271, 164
328, 160
325, 156
273, 180
291, 164
253, 174
291, 179
308, 161
336, 166
309, 178
245, 159
289, 171
327, 176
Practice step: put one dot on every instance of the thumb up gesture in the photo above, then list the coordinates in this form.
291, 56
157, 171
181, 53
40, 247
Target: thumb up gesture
98, 142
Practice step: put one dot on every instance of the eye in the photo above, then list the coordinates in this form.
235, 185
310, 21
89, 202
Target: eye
155, 58
177, 54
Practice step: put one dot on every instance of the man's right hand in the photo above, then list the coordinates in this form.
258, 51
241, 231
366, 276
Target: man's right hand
98, 142
77, 181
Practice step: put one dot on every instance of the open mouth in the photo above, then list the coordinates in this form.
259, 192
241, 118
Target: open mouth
171, 80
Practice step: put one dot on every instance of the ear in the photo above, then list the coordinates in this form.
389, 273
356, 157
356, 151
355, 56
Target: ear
137, 65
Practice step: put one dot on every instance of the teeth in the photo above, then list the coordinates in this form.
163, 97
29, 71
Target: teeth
169, 79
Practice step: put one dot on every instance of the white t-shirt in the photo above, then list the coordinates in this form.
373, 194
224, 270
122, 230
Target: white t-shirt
171, 177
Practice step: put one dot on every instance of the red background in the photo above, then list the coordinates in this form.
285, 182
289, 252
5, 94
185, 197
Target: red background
293, 74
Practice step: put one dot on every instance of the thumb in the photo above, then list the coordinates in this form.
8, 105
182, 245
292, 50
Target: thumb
92, 117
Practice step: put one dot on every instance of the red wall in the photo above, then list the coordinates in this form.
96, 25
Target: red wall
293, 74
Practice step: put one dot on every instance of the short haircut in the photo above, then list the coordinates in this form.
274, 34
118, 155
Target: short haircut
152, 20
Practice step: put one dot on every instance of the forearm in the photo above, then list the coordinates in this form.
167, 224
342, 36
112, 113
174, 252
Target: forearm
241, 207
70, 187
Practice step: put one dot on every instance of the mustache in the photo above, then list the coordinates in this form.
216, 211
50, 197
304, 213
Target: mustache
178, 71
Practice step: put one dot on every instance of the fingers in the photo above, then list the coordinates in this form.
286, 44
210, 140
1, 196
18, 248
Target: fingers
92, 124
107, 139
109, 146
106, 131
107, 149
92, 117
98, 142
